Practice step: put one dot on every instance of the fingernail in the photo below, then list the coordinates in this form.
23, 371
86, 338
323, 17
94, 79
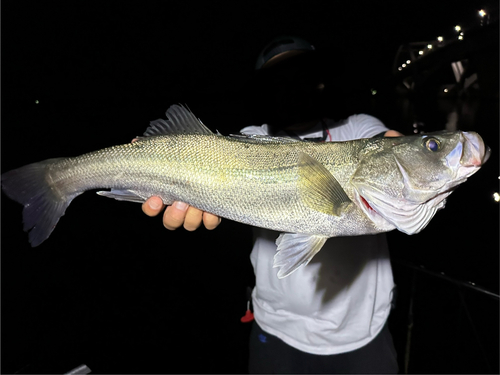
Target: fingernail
181, 206
155, 204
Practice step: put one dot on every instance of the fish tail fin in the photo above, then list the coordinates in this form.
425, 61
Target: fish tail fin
43, 204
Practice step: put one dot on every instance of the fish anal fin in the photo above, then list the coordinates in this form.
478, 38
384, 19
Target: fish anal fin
296, 250
319, 189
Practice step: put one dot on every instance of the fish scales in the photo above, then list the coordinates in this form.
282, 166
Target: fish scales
217, 174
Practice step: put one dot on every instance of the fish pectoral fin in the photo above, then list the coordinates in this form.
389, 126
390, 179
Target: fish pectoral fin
295, 250
123, 195
318, 188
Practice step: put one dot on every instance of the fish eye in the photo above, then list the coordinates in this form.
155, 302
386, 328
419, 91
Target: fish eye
432, 144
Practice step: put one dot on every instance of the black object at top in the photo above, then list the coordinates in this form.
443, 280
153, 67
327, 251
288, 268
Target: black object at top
282, 44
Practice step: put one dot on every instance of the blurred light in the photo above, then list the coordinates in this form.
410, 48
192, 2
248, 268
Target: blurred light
420, 52
404, 65
445, 90
460, 37
36, 102
482, 13
458, 28
408, 61
440, 38
374, 92
429, 46
496, 197
400, 68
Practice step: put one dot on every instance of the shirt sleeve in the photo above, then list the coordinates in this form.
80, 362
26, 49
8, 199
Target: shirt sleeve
255, 130
365, 126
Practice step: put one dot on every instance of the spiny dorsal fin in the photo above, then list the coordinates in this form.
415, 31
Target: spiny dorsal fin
259, 138
319, 189
179, 121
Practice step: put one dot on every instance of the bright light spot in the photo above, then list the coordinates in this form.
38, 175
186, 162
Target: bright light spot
458, 28
482, 13
408, 61
429, 46
400, 68
445, 90
440, 38
404, 65
420, 52
36, 102
496, 197
374, 92
460, 37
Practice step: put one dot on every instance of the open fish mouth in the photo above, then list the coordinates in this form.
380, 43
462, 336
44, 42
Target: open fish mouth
477, 152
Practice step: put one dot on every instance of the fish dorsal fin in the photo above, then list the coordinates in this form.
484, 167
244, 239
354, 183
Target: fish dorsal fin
260, 138
180, 120
295, 250
319, 189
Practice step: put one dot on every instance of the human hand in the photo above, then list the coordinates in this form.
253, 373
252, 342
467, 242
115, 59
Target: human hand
180, 213
392, 133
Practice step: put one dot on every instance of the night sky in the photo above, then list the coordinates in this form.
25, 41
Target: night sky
112, 288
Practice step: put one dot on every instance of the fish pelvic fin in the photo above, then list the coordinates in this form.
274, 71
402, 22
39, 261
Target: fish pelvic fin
180, 120
319, 189
43, 206
123, 195
295, 250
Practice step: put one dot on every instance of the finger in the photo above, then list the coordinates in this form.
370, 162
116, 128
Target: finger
193, 219
211, 221
392, 133
153, 206
175, 215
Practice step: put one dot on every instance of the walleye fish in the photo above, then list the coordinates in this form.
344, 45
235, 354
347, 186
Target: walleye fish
308, 191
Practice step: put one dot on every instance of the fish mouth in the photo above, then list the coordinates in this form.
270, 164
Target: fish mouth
476, 152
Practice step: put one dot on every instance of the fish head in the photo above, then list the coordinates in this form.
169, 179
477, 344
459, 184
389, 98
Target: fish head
402, 182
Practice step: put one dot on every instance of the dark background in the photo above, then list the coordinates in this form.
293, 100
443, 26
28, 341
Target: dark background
114, 290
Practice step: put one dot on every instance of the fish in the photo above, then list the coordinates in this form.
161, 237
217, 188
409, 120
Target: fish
308, 191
